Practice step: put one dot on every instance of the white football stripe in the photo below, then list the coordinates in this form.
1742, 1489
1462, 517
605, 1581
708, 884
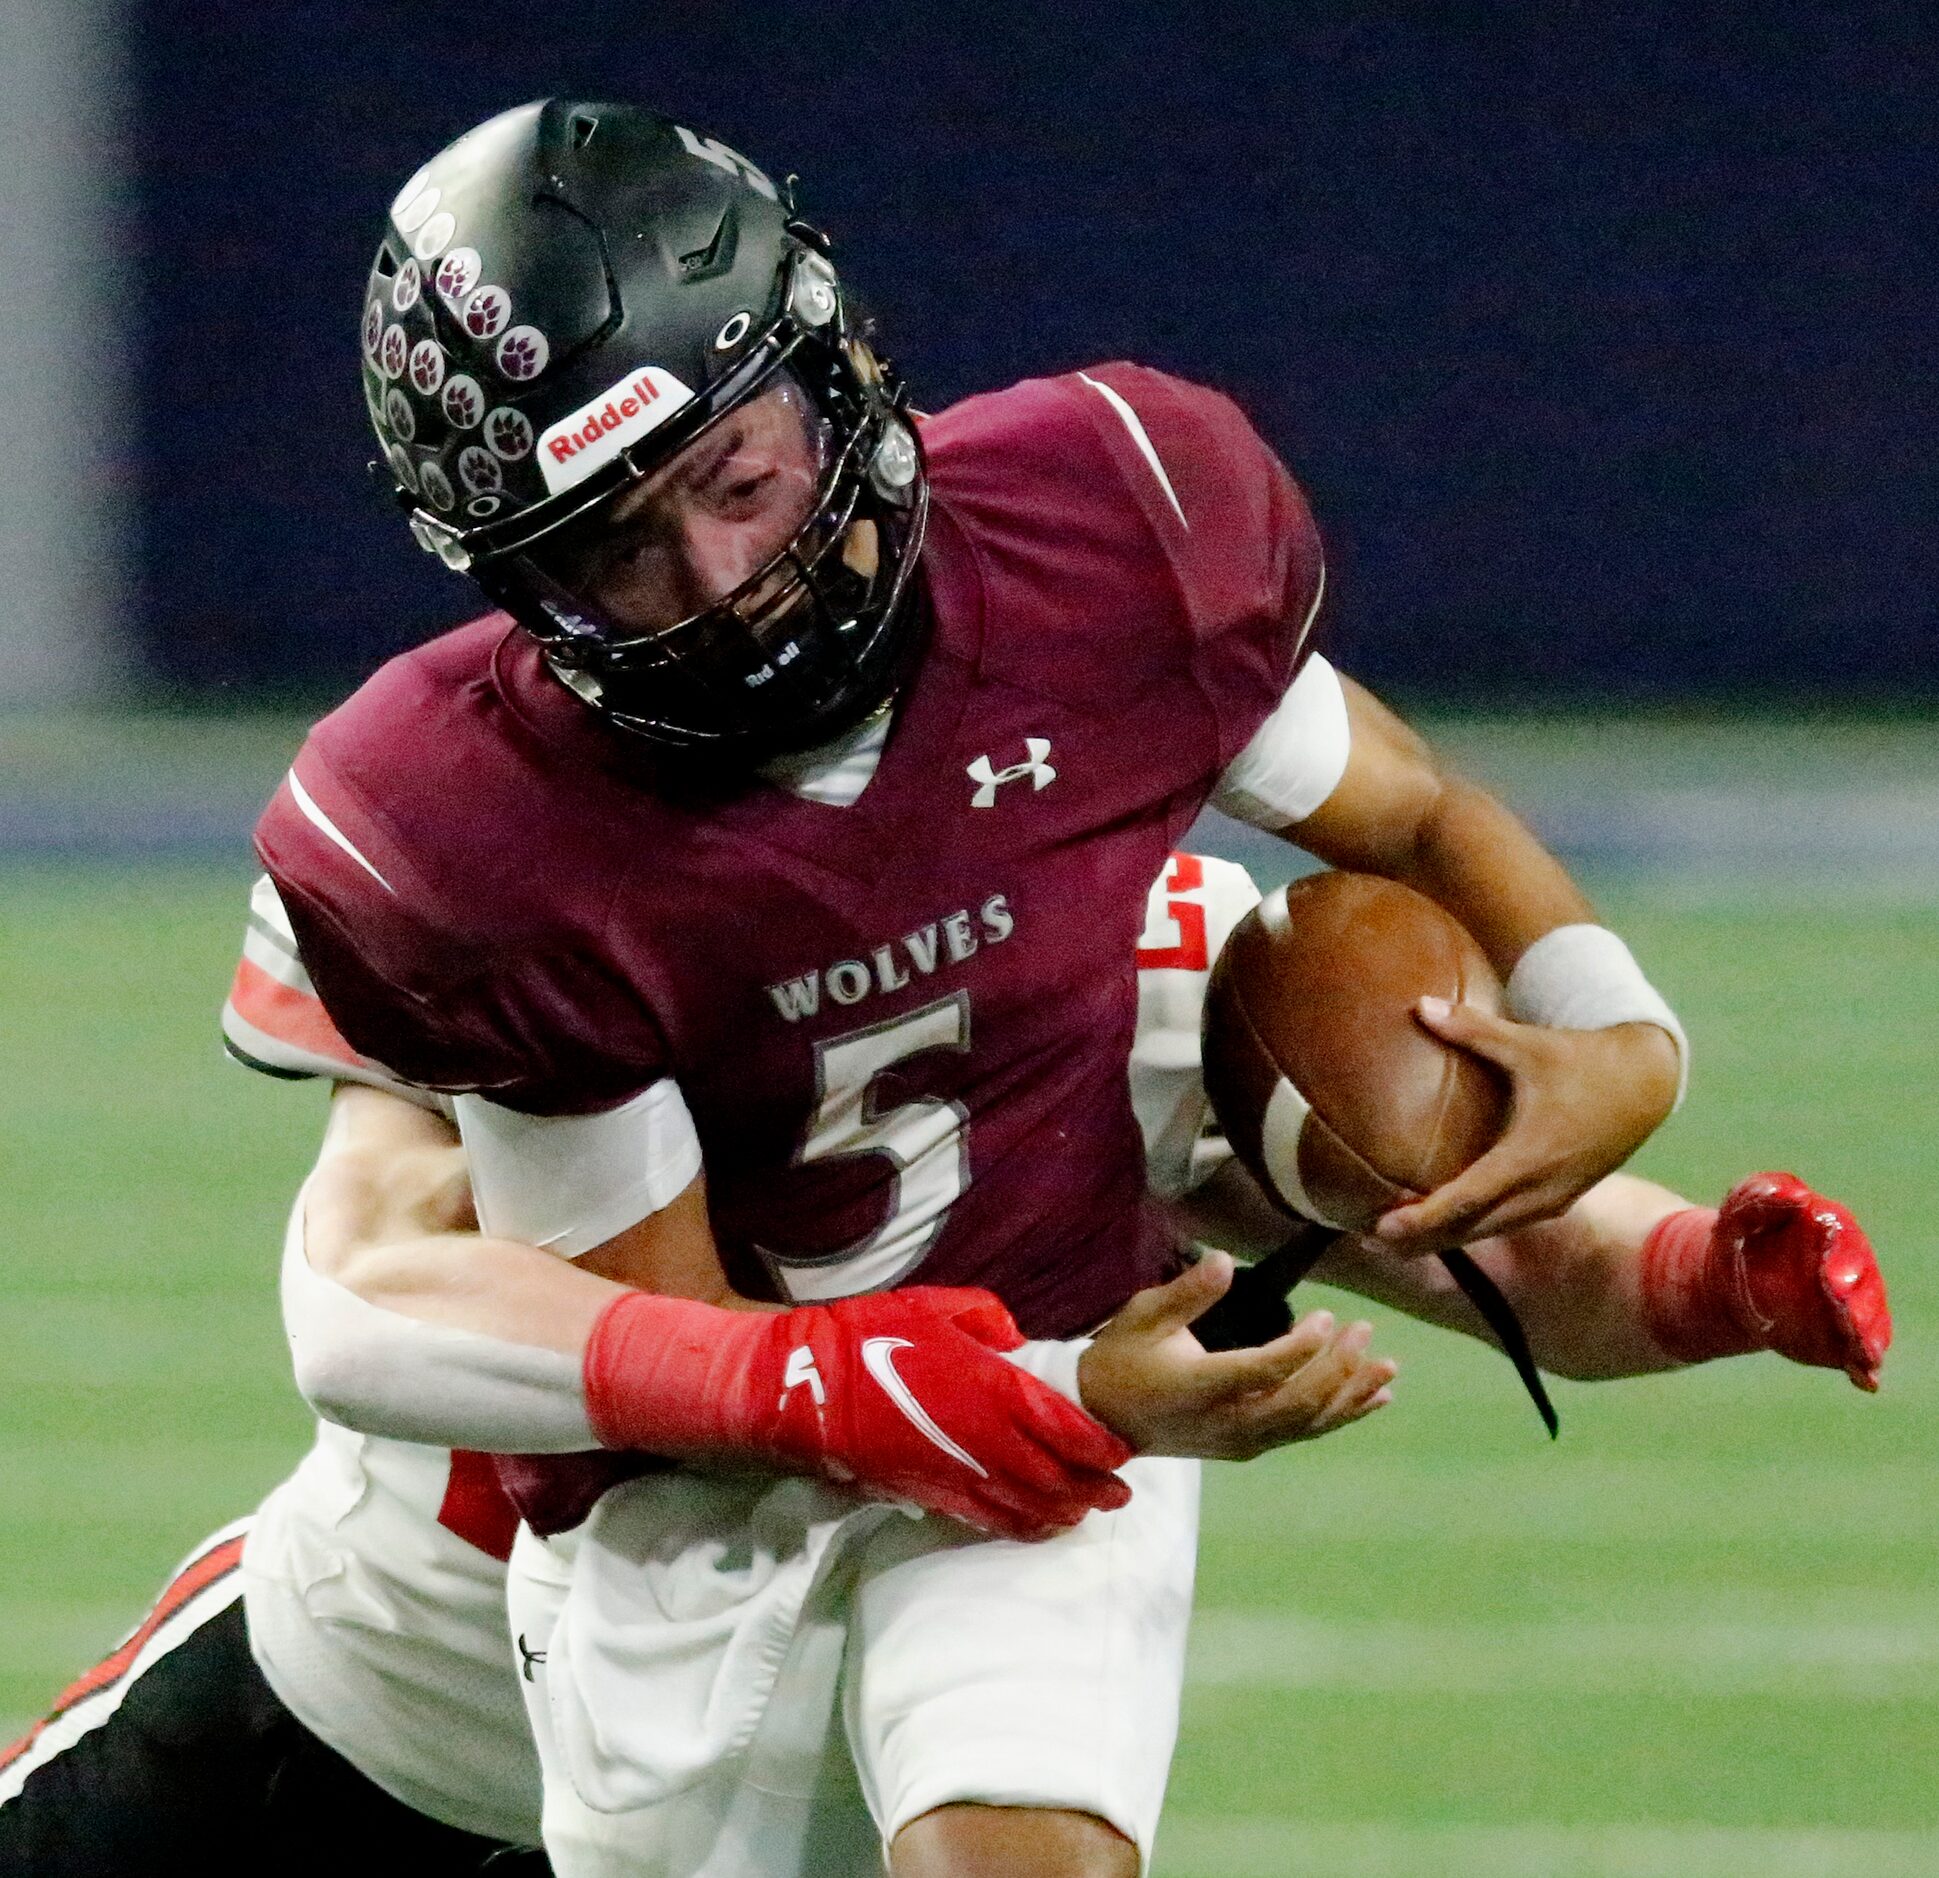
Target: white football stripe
1133, 424
1286, 1116
315, 815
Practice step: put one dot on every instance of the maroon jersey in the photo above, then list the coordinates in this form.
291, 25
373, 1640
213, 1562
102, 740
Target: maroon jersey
901, 1026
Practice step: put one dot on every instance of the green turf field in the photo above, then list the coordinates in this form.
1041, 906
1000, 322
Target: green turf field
1700, 1636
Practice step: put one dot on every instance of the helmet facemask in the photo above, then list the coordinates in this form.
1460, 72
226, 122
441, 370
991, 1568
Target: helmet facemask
823, 495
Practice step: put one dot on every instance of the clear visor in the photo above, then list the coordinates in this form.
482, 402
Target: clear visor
703, 524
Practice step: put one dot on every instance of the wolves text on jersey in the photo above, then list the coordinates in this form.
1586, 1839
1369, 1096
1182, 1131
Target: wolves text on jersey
949, 940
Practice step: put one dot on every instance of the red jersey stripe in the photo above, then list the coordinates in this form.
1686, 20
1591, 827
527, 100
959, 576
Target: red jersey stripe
293, 1017
475, 1506
214, 1564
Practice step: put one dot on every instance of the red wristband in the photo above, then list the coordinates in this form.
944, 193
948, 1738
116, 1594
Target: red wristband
1690, 1291
671, 1376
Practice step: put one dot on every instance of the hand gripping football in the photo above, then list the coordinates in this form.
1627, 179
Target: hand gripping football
1339, 1103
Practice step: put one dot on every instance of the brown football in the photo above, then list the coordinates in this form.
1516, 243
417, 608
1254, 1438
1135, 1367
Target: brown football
1336, 1099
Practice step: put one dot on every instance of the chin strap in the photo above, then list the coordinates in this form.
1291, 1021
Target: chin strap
1499, 1315
1255, 1310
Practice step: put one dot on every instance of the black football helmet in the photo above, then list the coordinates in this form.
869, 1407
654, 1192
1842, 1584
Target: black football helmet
563, 301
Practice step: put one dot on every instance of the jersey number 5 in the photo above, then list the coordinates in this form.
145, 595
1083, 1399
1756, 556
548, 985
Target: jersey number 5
924, 1140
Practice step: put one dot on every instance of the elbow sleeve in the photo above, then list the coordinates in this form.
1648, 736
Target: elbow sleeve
380, 1372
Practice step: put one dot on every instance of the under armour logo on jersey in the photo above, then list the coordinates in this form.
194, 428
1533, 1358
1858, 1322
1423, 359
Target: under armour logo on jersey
988, 780
801, 1368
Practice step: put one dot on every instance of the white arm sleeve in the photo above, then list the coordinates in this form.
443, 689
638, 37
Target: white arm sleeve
570, 1182
1296, 759
382, 1373
1053, 1361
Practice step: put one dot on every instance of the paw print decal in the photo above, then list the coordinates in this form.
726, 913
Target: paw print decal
427, 366
457, 274
464, 402
400, 467
436, 485
487, 311
522, 353
508, 434
435, 236
413, 208
393, 352
407, 287
373, 328
479, 472
399, 416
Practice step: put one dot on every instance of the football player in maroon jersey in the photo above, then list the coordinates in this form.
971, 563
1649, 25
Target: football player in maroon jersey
792, 820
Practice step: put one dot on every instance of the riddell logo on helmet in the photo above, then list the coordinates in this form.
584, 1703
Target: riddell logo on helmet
598, 431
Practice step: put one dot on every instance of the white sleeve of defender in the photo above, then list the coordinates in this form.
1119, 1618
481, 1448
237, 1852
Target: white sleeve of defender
1297, 758
570, 1182
382, 1373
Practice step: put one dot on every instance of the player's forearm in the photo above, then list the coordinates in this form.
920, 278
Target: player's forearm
401, 1322
387, 1215
465, 1281
455, 1370
1574, 1282
1472, 855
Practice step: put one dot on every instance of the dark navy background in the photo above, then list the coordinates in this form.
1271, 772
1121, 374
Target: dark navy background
1604, 346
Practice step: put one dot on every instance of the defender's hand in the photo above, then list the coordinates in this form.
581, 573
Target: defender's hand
1146, 1376
1801, 1273
903, 1395
1583, 1101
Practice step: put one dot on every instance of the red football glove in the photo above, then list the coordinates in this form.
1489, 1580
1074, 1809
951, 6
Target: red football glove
1777, 1267
902, 1395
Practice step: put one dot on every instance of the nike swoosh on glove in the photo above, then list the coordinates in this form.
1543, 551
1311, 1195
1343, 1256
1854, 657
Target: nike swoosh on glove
1779, 1267
901, 1395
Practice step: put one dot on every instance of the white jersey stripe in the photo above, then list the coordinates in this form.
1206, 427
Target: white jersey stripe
274, 960
266, 904
1133, 424
316, 816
